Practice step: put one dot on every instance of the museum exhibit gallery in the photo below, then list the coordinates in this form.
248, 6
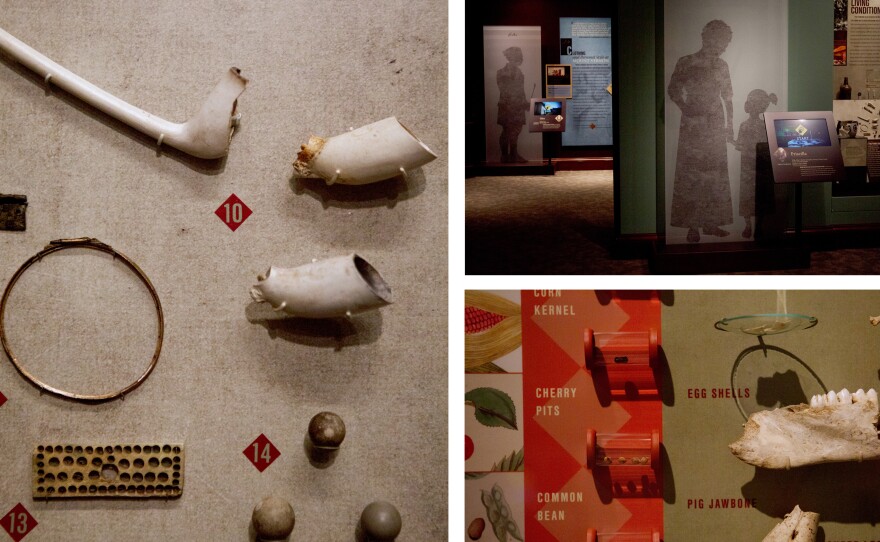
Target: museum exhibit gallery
641, 416
222, 293
742, 134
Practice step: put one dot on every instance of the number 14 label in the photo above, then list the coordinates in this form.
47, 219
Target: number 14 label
261, 453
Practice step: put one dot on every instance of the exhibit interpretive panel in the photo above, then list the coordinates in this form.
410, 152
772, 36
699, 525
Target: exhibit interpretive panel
804, 147
725, 65
547, 115
236, 383
557, 80
856, 27
513, 75
562, 416
648, 416
585, 44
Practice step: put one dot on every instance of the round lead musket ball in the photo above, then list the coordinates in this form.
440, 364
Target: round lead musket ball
273, 519
326, 430
381, 521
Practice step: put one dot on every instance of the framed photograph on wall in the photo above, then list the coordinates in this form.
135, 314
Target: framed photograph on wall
557, 80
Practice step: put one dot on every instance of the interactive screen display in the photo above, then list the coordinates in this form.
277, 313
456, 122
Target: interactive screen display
547, 115
801, 147
548, 108
796, 133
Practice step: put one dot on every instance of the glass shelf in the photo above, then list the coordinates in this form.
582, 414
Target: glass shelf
766, 324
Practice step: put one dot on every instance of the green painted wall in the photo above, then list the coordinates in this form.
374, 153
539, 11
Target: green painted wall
637, 95
810, 42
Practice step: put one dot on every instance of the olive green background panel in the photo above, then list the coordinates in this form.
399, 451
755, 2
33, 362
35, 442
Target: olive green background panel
810, 67
842, 351
637, 115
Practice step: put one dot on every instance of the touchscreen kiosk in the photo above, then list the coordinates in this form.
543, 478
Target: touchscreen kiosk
804, 147
547, 115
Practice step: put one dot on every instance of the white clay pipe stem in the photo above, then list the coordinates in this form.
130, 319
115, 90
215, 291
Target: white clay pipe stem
205, 135
329, 288
372, 153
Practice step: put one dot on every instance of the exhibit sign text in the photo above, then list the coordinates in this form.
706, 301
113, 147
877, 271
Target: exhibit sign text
547, 115
804, 147
585, 44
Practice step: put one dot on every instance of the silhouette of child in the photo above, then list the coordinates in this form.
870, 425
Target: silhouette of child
751, 132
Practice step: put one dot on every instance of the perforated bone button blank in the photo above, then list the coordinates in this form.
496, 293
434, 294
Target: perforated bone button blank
139, 471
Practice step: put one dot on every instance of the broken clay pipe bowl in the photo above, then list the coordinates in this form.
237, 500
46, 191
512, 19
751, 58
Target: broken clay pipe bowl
372, 153
329, 288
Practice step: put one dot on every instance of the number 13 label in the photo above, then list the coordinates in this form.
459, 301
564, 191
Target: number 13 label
18, 522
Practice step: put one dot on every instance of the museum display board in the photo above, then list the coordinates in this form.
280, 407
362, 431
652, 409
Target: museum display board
802, 365
720, 378
237, 383
804, 147
725, 65
856, 26
562, 417
585, 44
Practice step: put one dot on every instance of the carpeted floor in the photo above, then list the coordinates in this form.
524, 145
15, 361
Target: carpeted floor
560, 224
564, 225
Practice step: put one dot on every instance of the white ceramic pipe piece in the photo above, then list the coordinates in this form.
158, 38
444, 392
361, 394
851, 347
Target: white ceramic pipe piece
372, 153
339, 286
206, 135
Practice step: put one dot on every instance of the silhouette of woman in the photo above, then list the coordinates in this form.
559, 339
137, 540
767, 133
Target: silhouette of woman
512, 104
700, 87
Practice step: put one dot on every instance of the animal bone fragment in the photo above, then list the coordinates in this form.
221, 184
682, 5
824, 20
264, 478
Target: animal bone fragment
372, 153
205, 135
875, 320
834, 427
798, 526
328, 288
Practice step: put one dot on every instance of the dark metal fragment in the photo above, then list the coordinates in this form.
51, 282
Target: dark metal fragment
12, 212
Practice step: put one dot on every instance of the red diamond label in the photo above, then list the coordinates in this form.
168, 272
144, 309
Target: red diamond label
2, 399
233, 212
18, 522
261, 453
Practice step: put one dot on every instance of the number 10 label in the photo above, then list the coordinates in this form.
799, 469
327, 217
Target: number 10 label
233, 212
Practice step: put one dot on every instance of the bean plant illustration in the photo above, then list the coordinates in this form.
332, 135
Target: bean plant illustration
499, 514
494, 408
